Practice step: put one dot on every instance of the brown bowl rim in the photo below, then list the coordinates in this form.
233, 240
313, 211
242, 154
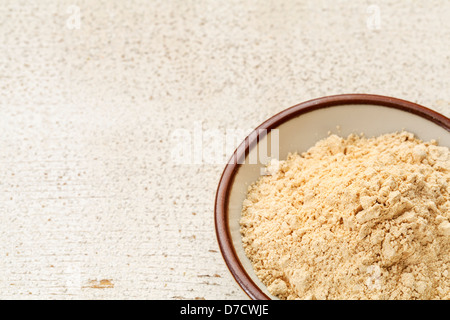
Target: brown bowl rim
221, 201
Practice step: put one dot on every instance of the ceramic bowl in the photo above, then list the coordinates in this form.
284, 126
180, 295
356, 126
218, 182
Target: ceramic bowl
296, 129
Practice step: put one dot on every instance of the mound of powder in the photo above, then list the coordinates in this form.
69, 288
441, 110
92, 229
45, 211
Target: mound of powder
353, 218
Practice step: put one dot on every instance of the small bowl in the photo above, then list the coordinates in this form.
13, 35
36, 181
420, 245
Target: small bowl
298, 129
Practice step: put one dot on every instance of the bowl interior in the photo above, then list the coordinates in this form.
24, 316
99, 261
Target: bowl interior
302, 132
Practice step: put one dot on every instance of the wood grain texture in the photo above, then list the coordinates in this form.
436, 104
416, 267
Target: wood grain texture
92, 204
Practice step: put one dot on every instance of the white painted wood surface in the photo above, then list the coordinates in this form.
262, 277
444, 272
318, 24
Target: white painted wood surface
92, 93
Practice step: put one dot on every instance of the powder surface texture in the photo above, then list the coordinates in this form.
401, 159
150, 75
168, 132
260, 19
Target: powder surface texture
353, 218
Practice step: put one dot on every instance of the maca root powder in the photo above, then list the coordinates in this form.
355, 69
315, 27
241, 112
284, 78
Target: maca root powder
353, 218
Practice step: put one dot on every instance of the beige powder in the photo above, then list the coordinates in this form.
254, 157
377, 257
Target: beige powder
353, 218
